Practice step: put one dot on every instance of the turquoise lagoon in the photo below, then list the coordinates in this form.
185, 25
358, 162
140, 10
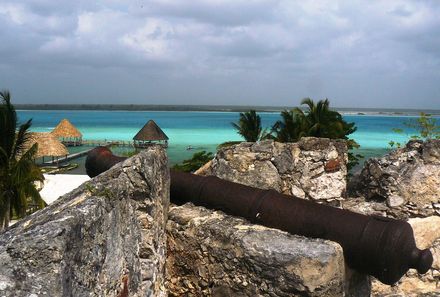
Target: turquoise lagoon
202, 130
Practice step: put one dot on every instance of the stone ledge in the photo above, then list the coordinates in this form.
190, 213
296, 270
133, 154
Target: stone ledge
213, 254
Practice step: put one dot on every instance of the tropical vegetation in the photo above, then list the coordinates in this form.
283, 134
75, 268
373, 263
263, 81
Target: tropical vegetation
249, 126
290, 128
129, 153
18, 171
227, 144
424, 127
197, 160
316, 120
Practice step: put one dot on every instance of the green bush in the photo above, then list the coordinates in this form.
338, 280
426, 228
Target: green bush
197, 160
425, 127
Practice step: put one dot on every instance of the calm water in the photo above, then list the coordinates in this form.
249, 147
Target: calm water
201, 130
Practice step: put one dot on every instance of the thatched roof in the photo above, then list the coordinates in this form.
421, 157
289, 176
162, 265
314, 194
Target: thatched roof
65, 129
150, 132
48, 145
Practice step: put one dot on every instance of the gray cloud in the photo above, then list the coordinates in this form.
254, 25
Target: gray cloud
263, 52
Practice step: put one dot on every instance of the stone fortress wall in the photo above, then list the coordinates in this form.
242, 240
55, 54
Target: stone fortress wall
117, 236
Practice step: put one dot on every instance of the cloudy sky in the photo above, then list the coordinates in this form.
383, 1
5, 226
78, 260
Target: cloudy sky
239, 52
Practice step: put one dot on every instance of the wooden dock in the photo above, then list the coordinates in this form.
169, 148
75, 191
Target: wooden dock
67, 158
91, 144
125, 143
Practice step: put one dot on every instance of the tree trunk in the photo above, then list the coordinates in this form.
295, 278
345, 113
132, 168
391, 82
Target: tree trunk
6, 215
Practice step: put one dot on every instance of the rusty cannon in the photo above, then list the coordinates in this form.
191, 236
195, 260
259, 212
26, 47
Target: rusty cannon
100, 159
382, 247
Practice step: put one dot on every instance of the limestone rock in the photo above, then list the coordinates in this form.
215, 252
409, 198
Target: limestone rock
105, 238
213, 254
411, 287
313, 168
426, 231
205, 169
409, 175
395, 201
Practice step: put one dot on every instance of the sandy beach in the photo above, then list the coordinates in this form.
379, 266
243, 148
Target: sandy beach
56, 185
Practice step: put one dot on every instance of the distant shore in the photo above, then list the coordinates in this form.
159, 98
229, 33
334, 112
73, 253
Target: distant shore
214, 108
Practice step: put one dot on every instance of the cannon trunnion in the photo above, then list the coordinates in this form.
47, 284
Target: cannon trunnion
379, 246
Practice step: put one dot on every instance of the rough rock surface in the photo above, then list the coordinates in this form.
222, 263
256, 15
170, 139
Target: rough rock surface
407, 180
213, 254
313, 168
106, 238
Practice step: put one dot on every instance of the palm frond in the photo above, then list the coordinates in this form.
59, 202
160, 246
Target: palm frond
22, 138
18, 171
309, 102
8, 123
249, 126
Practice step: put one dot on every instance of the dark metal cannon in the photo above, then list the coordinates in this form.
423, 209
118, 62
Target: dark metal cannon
379, 246
100, 159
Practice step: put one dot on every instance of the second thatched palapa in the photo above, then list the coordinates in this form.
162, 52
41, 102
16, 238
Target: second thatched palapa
67, 133
150, 133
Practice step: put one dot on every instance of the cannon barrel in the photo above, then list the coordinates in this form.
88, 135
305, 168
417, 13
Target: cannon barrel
379, 246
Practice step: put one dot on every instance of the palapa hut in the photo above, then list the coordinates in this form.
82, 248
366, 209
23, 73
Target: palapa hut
150, 133
67, 133
48, 145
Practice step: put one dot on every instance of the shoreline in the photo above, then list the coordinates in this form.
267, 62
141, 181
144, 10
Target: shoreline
214, 108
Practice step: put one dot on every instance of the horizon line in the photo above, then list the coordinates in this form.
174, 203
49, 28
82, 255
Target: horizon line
192, 107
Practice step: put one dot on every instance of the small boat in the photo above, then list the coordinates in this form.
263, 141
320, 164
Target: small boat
189, 147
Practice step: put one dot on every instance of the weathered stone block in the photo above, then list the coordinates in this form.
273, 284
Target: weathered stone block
408, 179
106, 238
213, 254
313, 168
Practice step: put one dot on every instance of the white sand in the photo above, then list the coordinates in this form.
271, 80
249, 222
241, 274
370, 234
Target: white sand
59, 184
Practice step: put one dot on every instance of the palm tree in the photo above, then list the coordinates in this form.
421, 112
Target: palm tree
290, 128
317, 120
249, 126
324, 122
315, 116
18, 171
